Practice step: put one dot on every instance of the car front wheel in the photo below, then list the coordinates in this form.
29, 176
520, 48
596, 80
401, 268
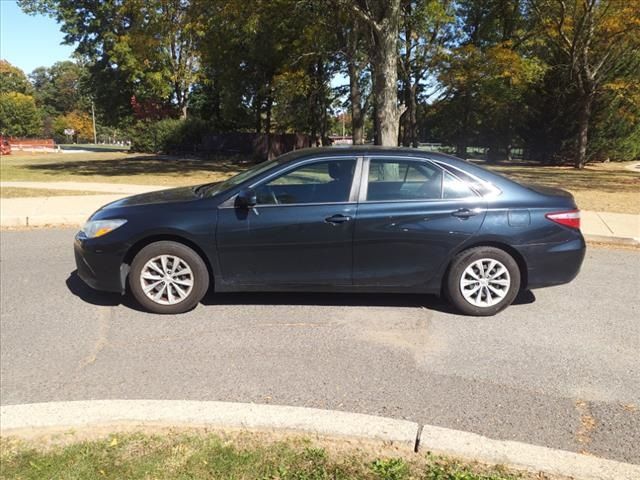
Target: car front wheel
483, 281
168, 277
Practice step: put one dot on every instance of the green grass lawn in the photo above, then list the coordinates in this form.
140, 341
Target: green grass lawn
600, 187
227, 456
117, 167
18, 192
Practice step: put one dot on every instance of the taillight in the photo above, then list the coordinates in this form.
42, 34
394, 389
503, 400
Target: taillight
568, 218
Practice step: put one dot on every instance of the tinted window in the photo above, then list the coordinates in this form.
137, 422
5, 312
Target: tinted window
454, 188
319, 182
391, 179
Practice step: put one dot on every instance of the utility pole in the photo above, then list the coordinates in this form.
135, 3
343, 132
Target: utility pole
93, 115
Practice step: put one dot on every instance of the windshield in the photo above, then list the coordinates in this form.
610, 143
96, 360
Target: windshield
211, 189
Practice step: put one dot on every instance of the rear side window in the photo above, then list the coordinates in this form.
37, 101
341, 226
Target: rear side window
479, 186
453, 188
391, 179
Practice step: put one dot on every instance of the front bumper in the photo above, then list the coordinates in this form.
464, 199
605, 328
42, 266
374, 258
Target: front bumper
100, 265
553, 263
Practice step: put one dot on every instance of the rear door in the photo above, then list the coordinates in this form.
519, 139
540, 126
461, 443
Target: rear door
411, 215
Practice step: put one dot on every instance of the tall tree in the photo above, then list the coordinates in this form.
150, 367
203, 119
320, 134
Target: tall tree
382, 17
352, 36
486, 76
425, 32
597, 41
19, 115
61, 88
12, 79
138, 47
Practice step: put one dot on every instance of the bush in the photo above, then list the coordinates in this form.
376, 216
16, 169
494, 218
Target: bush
168, 135
78, 121
19, 116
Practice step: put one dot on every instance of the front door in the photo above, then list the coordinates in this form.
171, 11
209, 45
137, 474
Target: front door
411, 215
299, 233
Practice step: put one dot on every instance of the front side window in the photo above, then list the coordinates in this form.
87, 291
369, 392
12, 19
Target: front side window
391, 179
319, 182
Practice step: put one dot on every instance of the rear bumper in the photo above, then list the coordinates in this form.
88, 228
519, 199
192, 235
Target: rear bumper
553, 263
100, 268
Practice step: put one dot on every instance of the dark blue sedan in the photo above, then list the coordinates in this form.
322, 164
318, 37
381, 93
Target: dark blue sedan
338, 220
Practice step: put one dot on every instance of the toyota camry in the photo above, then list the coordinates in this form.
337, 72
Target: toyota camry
337, 220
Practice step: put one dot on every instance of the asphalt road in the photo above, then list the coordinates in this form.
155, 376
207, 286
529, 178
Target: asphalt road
560, 369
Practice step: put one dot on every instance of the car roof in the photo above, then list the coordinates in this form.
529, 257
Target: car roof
364, 150
361, 150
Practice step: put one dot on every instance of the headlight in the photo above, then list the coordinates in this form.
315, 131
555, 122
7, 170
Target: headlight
98, 228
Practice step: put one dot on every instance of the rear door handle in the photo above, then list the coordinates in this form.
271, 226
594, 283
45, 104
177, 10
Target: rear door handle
464, 213
336, 219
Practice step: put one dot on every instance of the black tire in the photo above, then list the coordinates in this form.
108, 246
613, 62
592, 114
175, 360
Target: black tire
199, 277
465, 259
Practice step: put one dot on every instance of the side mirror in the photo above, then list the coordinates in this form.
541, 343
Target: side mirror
246, 199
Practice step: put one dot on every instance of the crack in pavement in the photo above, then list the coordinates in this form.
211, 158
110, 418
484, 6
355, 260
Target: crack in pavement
587, 425
105, 315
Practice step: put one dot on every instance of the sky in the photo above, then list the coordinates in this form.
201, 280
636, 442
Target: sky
30, 41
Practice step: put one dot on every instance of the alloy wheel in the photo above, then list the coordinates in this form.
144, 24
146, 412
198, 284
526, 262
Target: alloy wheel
485, 282
166, 279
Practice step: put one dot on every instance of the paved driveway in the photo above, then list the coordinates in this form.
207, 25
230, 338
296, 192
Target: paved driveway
559, 369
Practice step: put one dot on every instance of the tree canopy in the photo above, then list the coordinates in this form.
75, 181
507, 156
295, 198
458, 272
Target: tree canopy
557, 80
19, 116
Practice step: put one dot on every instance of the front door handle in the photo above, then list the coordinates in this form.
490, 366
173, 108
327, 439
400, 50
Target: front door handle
464, 213
336, 219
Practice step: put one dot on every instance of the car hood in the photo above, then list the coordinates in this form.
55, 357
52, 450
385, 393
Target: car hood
172, 195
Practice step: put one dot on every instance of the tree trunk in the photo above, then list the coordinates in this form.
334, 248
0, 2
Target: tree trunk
376, 125
267, 127
258, 112
385, 69
413, 115
583, 131
410, 79
357, 115
386, 95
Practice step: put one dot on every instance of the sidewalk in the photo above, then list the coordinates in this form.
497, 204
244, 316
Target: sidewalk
606, 226
602, 227
62, 210
85, 187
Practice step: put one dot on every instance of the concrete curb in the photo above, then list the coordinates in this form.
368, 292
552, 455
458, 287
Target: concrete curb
17, 418
626, 241
217, 414
43, 220
524, 456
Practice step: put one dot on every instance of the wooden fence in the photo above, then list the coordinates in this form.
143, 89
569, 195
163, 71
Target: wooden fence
31, 143
259, 145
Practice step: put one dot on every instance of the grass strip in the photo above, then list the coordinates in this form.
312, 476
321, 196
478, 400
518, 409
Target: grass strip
241, 455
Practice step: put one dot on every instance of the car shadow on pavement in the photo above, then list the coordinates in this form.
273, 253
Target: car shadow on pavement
104, 299
397, 300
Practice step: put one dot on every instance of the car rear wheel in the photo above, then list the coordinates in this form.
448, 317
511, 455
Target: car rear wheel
168, 277
482, 281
